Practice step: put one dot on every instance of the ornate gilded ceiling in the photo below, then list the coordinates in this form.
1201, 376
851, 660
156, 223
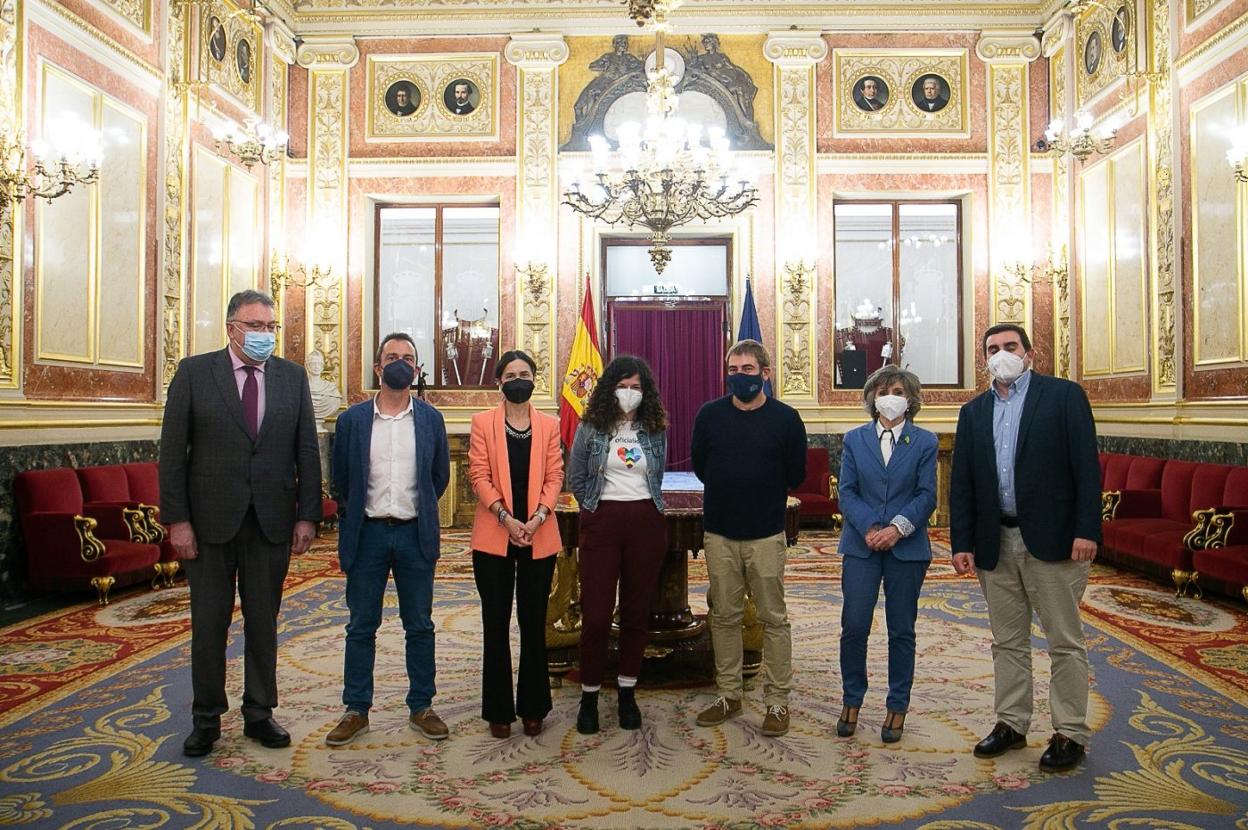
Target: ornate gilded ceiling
568, 16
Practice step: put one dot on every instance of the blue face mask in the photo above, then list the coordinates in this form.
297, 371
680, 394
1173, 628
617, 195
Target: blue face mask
259, 345
398, 374
745, 388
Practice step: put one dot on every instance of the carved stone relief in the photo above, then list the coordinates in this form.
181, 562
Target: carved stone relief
703, 68
9, 120
328, 205
1160, 119
173, 342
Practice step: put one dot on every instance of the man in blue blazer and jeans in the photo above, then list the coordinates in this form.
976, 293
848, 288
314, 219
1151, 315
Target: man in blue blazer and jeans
1025, 514
391, 463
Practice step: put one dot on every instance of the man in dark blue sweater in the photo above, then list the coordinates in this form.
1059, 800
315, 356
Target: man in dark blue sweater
748, 450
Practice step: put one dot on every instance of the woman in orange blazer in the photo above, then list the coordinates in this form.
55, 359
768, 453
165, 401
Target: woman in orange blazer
516, 470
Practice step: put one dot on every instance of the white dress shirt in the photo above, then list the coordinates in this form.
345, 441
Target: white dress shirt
888, 440
392, 488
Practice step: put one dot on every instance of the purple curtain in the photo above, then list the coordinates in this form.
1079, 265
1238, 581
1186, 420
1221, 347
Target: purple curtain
685, 350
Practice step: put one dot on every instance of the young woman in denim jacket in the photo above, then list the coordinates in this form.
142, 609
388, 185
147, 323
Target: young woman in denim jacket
615, 470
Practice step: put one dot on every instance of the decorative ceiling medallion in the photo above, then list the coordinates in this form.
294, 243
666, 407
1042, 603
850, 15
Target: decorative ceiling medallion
913, 92
445, 97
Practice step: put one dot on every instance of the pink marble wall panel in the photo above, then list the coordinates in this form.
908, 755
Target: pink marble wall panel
975, 222
1208, 25
297, 111
363, 195
1207, 383
883, 144
1038, 99
145, 45
506, 100
43, 381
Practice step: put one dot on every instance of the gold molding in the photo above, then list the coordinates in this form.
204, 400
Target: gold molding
328, 217
278, 118
172, 291
136, 12
1165, 294
12, 115
430, 74
1009, 188
105, 39
1213, 42
1061, 230
901, 68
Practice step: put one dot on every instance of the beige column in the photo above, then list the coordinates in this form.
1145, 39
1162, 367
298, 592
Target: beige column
328, 59
1056, 45
795, 54
281, 55
537, 58
12, 58
1008, 52
1163, 218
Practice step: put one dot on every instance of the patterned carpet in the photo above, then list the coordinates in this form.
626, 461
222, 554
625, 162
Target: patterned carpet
93, 707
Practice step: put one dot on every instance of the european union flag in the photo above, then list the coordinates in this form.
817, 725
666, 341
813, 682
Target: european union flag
750, 329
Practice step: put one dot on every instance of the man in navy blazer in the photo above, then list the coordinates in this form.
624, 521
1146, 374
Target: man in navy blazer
887, 495
391, 463
1025, 514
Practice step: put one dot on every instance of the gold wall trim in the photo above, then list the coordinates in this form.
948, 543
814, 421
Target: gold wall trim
78, 423
1229, 32
12, 115
1162, 217
328, 217
172, 283
137, 13
1009, 193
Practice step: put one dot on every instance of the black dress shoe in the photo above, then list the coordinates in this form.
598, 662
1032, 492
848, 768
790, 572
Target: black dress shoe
200, 741
268, 733
587, 716
1063, 754
1001, 740
630, 715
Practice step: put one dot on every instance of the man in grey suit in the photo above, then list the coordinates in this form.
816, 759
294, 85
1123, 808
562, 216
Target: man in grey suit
240, 488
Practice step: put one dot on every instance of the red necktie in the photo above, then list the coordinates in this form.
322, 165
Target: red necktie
251, 401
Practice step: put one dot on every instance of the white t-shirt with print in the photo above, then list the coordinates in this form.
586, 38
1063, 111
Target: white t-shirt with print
626, 466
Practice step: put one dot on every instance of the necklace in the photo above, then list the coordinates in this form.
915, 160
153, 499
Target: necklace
516, 433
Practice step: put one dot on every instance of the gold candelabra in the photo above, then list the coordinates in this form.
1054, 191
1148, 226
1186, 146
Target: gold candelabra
1080, 140
1237, 155
56, 169
257, 142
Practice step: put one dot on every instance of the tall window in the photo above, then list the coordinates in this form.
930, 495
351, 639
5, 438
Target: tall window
437, 280
898, 290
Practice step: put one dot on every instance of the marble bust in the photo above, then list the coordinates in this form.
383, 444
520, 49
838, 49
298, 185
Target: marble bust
325, 395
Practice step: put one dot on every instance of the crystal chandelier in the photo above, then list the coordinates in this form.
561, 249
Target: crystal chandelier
664, 174
70, 155
257, 142
1080, 141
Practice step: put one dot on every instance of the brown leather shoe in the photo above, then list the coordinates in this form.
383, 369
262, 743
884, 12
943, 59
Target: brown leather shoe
350, 727
532, 726
721, 710
427, 723
500, 730
776, 722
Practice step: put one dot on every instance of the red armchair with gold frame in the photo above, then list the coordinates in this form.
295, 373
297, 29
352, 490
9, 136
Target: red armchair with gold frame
111, 485
818, 493
63, 549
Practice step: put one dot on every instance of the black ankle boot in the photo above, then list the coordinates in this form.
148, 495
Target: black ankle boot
630, 715
587, 717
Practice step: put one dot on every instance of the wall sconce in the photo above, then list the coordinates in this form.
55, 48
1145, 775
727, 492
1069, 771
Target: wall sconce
534, 279
1080, 141
1025, 271
1237, 156
70, 157
257, 142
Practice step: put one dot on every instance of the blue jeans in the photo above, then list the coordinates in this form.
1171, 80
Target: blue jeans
860, 588
384, 548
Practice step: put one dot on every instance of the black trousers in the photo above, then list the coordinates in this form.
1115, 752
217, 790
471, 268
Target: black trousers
260, 568
498, 578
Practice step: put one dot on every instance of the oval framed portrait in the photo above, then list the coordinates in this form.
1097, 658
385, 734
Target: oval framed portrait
242, 60
1092, 48
870, 93
461, 97
403, 98
1121, 29
216, 39
930, 93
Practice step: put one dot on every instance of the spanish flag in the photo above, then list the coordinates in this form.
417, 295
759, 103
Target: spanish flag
584, 369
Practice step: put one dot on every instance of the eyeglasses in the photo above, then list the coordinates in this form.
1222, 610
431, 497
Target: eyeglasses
255, 325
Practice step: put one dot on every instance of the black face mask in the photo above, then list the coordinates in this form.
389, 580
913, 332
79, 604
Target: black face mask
518, 390
745, 387
398, 374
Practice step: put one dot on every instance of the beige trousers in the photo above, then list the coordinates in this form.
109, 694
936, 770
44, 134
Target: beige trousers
759, 565
1019, 584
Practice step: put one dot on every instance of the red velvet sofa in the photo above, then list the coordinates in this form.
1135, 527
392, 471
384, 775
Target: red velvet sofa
71, 544
1158, 515
818, 493
133, 486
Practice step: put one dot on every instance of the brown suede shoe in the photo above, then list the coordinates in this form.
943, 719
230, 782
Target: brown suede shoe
352, 725
776, 723
721, 710
429, 724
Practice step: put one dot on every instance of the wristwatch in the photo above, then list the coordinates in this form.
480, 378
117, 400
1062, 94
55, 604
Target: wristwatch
502, 515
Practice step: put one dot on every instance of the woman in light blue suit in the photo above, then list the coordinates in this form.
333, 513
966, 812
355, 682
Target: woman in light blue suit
887, 494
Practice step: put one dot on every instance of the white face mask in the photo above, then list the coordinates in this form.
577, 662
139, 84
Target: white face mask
1006, 367
891, 407
628, 399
